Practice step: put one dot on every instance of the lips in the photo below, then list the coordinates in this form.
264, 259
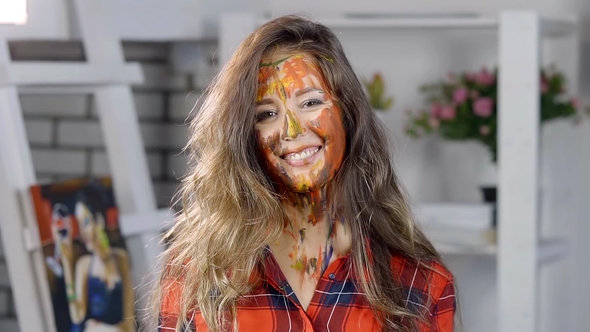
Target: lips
302, 157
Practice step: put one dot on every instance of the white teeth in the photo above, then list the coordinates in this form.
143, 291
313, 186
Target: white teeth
302, 155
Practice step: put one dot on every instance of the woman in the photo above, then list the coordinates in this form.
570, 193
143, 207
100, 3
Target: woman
99, 289
293, 218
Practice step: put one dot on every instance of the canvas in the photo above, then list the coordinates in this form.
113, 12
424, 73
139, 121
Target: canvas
87, 265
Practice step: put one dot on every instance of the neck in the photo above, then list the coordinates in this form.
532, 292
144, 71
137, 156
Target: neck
314, 234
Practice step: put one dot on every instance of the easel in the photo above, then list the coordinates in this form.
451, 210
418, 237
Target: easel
106, 75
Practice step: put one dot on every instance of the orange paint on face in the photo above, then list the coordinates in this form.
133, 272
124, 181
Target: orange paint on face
302, 115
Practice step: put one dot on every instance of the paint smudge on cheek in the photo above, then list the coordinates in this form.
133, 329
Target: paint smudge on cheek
269, 146
269, 143
329, 126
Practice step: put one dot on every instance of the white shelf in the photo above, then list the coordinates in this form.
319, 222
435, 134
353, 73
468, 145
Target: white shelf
549, 249
465, 250
68, 73
550, 26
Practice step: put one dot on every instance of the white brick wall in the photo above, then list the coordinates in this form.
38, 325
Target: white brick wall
39, 131
4, 303
64, 130
4, 280
180, 104
160, 76
73, 105
164, 136
8, 325
59, 162
79, 133
177, 165
149, 105
99, 164
165, 192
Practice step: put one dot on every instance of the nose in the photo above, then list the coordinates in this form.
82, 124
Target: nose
292, 126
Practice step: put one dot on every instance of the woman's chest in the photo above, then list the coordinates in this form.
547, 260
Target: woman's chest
277, 314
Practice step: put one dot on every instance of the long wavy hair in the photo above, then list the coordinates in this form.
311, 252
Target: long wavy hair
230, 211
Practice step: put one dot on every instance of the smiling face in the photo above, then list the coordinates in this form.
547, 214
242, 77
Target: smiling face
298, 126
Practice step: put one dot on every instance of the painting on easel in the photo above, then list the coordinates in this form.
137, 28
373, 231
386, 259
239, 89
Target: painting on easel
87, 264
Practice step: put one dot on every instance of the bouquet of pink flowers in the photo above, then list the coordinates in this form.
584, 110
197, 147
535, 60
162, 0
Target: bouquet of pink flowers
464, 106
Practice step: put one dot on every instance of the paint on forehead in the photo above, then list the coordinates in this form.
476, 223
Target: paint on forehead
288, 75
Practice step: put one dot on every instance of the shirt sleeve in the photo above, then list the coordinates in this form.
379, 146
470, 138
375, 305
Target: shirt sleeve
444, 307
170, 308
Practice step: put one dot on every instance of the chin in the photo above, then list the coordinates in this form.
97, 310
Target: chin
303, 187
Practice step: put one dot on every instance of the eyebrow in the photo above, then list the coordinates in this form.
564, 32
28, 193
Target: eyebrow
267, 101
306, 90
264, 101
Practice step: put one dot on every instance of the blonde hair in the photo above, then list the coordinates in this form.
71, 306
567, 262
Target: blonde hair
230, 211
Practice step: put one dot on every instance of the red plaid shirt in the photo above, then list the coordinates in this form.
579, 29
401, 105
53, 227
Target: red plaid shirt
338, 305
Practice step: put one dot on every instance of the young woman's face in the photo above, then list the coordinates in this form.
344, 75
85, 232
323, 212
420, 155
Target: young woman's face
298, 126
85, 223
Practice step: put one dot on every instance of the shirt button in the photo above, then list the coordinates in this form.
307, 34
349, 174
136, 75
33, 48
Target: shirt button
332, 276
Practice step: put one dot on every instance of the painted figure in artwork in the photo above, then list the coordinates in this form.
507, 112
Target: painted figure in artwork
293, 218
98, 284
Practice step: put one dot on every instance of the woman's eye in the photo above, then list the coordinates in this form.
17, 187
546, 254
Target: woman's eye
265, 115
311, 103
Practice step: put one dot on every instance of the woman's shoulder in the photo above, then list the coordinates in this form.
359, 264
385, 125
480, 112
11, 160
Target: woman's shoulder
425, 280
119, 253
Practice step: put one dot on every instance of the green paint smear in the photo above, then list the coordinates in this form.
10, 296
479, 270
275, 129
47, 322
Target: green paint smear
299, 265
293, 127
274, 64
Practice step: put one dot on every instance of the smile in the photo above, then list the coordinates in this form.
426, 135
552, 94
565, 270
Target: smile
302, 155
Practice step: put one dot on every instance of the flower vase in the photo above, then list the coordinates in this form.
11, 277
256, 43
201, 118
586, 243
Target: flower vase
488, 185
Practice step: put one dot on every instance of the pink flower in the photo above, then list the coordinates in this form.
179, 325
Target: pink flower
484, 130
483, 107
434, 123
470, 77
435, 110
460, 95
544, 85
485, 78
448, 112
576, 103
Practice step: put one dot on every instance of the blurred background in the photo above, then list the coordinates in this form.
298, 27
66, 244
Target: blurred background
523, 268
